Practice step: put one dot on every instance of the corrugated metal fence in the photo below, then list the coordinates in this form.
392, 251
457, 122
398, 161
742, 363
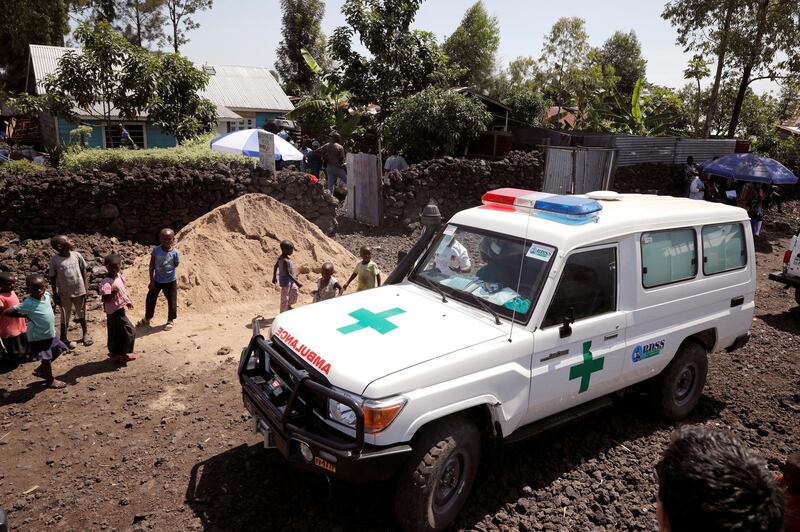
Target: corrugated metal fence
577, 170
633, 150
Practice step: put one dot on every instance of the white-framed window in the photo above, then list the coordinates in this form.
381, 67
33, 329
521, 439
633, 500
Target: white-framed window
668, 257
724, 248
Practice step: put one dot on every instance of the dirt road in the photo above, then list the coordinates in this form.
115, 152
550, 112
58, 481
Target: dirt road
165, 444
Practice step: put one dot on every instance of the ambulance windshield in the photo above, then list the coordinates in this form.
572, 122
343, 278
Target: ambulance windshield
502, 271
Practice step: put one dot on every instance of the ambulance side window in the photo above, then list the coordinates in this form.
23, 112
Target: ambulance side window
668, 257
724, 248
588, 285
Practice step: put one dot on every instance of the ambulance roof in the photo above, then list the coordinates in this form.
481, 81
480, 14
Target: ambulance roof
624, 215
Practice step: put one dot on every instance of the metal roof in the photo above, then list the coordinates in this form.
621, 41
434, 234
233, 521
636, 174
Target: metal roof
44, 61
246, 88
230, 87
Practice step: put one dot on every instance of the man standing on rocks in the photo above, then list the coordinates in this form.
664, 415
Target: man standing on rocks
333, 157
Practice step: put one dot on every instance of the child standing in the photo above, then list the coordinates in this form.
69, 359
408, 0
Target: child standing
121, 333
327, 287
164, 259
368, 273
42, 340
12, 330
283, 274
69, 281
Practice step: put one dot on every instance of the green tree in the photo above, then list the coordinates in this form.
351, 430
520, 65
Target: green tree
528, 106
402, 61
521, 73
697, 69
142, 22
180, 15
624, 52
789, 100
25, 22
108, 76
656, 113
301, 31
326, 107
434, 122
704, 26
473, 46
175, 103
563, 57
764, 46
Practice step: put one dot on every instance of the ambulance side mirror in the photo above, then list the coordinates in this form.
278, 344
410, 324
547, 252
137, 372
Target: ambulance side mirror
566, 328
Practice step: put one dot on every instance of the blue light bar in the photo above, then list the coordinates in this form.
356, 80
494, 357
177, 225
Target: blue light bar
573, 210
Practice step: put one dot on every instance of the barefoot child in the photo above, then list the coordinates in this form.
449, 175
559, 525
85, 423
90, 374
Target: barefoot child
283, 274
67, 273
327, 287
43, 343
164, 259
121, 333
367, 272
12, 330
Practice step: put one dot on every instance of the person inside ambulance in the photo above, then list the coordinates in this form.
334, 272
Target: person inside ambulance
452, 257
501, 273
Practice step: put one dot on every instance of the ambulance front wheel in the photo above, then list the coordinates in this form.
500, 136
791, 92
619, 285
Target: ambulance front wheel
677, 390
437, 479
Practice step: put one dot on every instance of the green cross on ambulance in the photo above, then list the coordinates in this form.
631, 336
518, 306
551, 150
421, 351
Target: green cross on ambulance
556, 305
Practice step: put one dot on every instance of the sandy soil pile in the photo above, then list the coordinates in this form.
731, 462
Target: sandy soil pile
227, 255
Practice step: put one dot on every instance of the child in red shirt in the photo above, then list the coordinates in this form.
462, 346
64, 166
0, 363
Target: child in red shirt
12, 330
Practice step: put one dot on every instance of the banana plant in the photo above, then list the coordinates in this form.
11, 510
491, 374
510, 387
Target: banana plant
327, 104
642, 116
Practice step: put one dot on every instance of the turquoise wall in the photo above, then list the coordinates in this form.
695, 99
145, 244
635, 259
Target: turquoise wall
64, 127
158, 138
266, 117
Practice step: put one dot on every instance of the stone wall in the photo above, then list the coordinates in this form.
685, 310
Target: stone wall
134, 204
667, 179
454, 184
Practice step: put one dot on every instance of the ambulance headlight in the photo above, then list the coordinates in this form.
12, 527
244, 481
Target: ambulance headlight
377, 414
341, 413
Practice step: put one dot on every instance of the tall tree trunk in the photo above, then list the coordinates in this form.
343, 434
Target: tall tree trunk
755, 50
722, 51
138, 26
697, 112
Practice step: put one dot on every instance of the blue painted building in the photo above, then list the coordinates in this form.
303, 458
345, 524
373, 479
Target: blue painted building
246, 97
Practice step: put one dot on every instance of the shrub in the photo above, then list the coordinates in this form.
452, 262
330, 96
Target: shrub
192, 154
434, 122
20, 168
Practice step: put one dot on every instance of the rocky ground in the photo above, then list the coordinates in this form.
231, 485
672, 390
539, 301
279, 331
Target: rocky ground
165, 444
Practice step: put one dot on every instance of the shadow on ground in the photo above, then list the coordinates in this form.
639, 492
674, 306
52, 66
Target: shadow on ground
248, 487
71, 377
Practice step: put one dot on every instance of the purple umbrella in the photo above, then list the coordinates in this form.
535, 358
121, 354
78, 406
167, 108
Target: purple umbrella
750, 167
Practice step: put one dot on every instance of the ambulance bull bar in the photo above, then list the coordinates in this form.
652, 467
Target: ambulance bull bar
280, 418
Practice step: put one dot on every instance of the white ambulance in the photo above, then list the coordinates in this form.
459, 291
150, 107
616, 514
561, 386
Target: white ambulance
514, 317
790, 275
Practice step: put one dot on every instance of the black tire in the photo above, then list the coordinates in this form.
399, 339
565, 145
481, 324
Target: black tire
797, 295
679, 387
435, 482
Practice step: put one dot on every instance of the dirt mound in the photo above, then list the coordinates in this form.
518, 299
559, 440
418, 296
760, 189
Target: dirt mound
227, 255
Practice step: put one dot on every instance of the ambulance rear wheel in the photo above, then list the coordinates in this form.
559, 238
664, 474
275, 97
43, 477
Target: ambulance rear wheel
437, 479
679, 387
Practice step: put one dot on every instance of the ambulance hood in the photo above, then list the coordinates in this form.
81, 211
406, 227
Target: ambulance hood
356, 339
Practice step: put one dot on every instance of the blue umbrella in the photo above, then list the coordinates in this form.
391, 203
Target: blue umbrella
750, 167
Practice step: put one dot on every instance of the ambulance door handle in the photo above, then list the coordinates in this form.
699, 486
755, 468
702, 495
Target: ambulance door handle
610, 336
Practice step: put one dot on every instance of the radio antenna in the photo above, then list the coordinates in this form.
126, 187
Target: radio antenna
521, 266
